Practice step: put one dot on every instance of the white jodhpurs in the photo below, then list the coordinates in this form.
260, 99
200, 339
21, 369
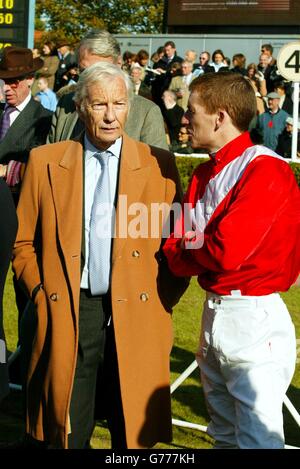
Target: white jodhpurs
247, 356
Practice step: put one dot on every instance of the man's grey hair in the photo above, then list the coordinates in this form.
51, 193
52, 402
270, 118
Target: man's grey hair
101, 42
99, 73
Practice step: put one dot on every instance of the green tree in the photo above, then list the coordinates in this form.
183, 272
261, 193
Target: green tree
72, 18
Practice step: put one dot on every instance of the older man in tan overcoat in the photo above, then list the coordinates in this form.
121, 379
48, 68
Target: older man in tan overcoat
49, 260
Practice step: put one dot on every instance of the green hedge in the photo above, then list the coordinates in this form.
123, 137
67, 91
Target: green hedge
186, 166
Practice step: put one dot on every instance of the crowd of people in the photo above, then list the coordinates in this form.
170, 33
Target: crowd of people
96, 275
165, 77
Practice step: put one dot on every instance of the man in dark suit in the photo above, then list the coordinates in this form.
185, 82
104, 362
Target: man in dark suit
24, 124
203, 66
66, 59
163, 66
8, 230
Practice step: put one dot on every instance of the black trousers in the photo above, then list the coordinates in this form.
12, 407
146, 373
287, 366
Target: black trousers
96, 388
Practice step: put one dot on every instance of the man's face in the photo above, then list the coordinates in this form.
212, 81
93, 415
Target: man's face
16, 90
273, 104
169, 51
186, 68
86, 59
218, 58
106, 110
183, 135
266, 52
190, 56
136, 75
203, 59
264, 60
201, 125
42, 84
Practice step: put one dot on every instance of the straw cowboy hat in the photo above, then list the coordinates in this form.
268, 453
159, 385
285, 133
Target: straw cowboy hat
18, 62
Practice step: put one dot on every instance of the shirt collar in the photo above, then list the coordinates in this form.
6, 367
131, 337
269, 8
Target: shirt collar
231, 150
90, 149
24, 103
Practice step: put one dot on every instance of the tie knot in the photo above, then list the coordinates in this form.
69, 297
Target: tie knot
103, 157
9, 109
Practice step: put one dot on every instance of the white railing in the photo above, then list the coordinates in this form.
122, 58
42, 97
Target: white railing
202, 428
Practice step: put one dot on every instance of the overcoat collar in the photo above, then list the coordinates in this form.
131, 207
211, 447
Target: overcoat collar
67, 186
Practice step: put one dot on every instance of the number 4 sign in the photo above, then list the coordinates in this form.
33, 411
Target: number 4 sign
288, 63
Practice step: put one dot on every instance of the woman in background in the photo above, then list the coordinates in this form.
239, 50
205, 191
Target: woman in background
51, 63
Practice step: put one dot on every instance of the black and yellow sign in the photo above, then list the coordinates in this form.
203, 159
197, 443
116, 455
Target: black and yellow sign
233, 12
14, 17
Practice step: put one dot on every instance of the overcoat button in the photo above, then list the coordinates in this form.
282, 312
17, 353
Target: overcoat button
135, 254
144, 297
54, 297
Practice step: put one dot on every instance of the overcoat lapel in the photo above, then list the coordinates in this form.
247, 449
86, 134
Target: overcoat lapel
132, 180
66, 184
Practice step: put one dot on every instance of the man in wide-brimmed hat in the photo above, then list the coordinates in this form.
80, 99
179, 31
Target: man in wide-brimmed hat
24, 123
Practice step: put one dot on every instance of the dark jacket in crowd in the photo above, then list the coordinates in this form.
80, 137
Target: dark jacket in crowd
29, 130
162, 82
173, 121
284, 147
8, 231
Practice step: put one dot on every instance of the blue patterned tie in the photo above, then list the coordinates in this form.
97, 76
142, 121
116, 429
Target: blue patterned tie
100, 231
5, 121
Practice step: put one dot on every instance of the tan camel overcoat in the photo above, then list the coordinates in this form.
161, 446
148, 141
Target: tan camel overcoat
48, 250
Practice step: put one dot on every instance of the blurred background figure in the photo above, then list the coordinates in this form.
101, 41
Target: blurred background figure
49, 68
36, 53
267, 49
172, 115
284, 91
203, 66
183, 144
73, 74
284, 147
271, 123
191, 56
142, 59
258, 83
239, 62
269, 71
139, 87
162, 81
218, 60
45, 95
180, 84
66, 58
128, 60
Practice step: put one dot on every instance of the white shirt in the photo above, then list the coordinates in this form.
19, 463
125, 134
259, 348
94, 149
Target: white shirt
187, 79
92, 171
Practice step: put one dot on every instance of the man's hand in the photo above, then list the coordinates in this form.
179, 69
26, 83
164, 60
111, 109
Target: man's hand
188, 236
3, 170
260, 75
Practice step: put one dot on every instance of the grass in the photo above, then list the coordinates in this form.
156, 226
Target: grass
187, 400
